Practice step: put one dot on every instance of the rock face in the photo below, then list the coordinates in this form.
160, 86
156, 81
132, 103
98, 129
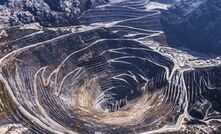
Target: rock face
46, 12
195, 24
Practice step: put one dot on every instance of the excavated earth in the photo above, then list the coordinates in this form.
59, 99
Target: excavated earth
118, 70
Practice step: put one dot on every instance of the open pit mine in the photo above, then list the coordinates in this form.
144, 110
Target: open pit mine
110, 66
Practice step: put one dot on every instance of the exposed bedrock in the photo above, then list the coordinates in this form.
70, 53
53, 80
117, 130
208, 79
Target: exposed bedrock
114, 74
100, 83
87, 84
46, 12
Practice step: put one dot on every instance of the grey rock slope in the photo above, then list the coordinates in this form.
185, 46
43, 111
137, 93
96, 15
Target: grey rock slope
195, 24
46, 12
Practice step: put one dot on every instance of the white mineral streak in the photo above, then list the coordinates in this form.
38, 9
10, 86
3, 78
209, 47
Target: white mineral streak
157, 5
3, 34
12, 129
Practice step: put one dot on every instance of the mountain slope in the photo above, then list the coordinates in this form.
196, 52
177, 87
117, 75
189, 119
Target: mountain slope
194, 24
46, 12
